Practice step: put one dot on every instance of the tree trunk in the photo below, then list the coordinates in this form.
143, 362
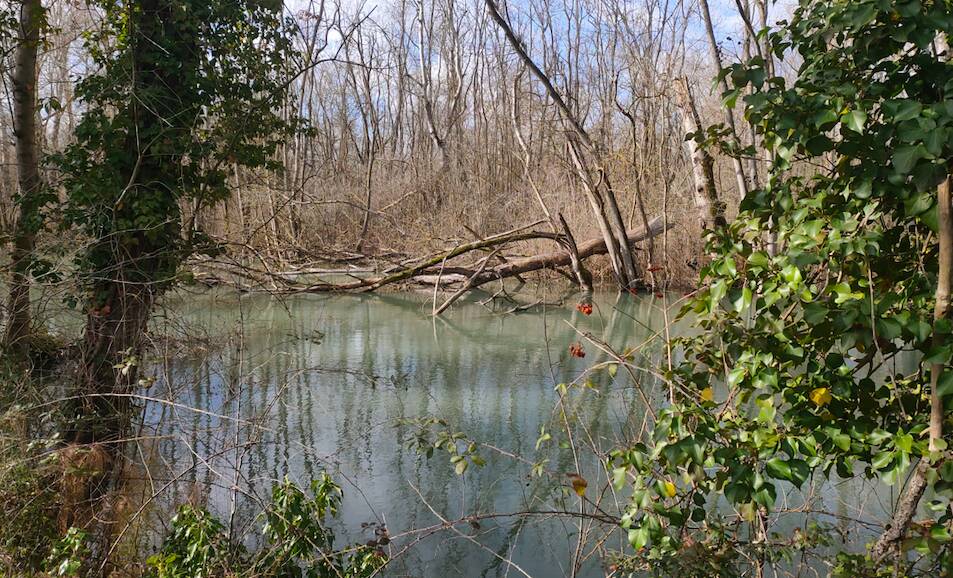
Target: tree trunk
604, 206
710, 208
723, 84
598, 206
111, 344
509, 268
368, 188
137, 263
618, 229
25, 117
583, 276
907, 504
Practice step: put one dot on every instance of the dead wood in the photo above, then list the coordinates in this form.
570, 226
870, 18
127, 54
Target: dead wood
435, 270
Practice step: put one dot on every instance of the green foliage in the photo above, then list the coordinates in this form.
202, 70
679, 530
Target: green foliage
185, 90
29, 503
300, 543
67, 556
802, 346
196, 546
435, 434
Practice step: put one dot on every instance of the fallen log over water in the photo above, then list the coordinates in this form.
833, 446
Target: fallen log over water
434, 269
556, 259
429, 269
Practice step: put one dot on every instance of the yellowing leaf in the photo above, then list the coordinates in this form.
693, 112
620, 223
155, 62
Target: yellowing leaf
669, 489
821, 396
579, 484
708, 394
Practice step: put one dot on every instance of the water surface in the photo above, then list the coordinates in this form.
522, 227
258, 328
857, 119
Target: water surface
258, 387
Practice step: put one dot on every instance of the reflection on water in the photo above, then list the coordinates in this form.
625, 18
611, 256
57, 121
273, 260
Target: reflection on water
311, 383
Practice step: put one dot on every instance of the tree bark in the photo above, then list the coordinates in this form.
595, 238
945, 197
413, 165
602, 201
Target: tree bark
583, 276
25, 119
369, 189
710, 208
585, 250
136, 262
723, 84
907, 504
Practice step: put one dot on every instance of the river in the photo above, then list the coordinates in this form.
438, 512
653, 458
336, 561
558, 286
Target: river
254, 388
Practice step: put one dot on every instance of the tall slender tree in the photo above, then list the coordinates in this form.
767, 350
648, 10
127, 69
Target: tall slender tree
29, 183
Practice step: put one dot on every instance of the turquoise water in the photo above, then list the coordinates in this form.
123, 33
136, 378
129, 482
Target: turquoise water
255, 388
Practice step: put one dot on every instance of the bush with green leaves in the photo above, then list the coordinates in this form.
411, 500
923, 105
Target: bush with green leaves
29, 504
816, 358
299, 541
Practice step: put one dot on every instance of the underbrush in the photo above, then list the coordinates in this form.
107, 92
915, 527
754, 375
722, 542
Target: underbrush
56, 519
38, 489
30, 498
30, 505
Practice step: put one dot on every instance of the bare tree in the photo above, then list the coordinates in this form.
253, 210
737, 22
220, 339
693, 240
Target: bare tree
595, 182
710, 208
715, 51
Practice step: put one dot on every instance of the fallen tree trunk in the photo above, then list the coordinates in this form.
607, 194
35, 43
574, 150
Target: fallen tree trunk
511, 268
371, 284
425, 271
556, 259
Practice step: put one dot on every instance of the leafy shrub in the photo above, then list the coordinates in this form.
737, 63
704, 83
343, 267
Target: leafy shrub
300, 543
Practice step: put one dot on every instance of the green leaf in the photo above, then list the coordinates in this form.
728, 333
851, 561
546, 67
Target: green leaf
902, 110
638, 538
791, 274
824, 117
905, 157
815, 313
946, 471
736, 375
730, 98
882, 460
765, 496
800, 471
935, 140
758, 259
744, 300
888, 329
863, 13
844, 294
855, 120
940, 533
904, 443
819, 144
918, 203
939, 354
618, 478
778, 468
841, 440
